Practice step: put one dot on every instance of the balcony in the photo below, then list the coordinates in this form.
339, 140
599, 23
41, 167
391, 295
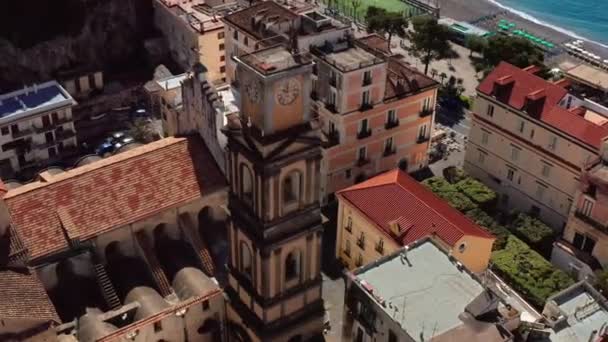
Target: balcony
22, 133
425, 112
52, 125
391, 124
590, 221
366, 106
333, 139
364, 134
45, 144
331, 107
362, 161
65, 134
389, 151
367, 81
422, 140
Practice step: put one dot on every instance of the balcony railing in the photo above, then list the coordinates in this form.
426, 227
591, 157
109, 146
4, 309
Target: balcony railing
65, 134
391, 124
389, 151
333, 139
590, 221
422, 140
331, 107
22, 133
364, 134
366, 106
52, 125
425, 112
362, 161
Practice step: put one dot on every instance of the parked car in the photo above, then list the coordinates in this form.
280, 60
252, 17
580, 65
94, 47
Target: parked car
113, 143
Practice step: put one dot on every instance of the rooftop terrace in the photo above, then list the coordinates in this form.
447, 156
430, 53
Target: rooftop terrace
425, 292
274, 59
345, 56
32, 100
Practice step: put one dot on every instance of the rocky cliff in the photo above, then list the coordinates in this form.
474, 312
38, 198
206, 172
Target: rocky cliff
38, 38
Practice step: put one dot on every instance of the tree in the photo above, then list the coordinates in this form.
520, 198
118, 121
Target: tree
434, 73
511, 49
142, 131
476, 44
443, 76
355, 4
381, 21
429, 41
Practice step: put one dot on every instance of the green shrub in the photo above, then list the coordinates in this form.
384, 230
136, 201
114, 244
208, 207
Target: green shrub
534, 232
454, 174
528, 272
467, 102
458, 201
478, 193
486, 221
438, 185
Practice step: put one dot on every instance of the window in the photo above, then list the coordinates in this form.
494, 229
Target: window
21, 160
222, 58
52, 152
510, 174
15, 129
362, 153
205, 305
222, 47
361, 241
367, 78
220, 35
246, 41
359, 261
246, 184
388, 146
540, 191
484, 138
584, 242
422, 132
587, 207
332, 98
462, 247
158, 327
365, 98
426, 103
235, 35
363, 126
245, 260
482, 157
349, 224
391, 116
490, 110
332, 127
49, 137
347, 248
552, 143
532, 133
5, 130
348, 173
292, 265
46, 121
520, 126
222, 69
55, 117
291, 187
514, 153
546, 170
380, 246
391, 336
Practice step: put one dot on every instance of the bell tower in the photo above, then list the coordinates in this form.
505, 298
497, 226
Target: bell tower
273, 164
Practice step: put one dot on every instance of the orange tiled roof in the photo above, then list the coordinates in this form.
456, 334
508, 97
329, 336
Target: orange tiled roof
396, 197
22, 296
119, 190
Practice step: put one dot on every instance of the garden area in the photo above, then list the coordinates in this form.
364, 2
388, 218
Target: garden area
523, 243
357, 9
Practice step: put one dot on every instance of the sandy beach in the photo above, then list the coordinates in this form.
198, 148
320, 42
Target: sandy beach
470, 10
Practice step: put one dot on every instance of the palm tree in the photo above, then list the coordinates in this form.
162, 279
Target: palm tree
443, 76
433, 73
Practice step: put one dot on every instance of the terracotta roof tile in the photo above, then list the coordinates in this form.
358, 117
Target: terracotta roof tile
263, 12
403, 80
395, 196
89, 200
22, 295
527, 85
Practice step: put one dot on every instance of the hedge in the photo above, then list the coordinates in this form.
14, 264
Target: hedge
528, 272
439, 185
478, 193
534, 232
449, 193
500, 232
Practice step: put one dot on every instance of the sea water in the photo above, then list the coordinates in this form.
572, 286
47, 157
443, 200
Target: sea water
586, 19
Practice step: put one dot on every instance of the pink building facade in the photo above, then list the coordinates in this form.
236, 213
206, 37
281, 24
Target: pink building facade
376, 112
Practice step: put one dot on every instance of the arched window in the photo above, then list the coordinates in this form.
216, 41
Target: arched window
246, 267
246, 184
293, 265
292, 184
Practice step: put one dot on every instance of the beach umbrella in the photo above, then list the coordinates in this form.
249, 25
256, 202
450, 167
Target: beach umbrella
550, 45
569, 46
606, 61
596, 57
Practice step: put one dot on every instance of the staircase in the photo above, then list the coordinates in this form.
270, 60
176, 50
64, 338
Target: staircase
105, 284
199, 245
164, 287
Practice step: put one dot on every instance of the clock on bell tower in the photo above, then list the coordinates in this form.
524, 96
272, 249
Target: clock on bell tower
275, 230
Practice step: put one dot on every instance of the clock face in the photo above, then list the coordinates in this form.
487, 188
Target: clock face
253, 89
287, 91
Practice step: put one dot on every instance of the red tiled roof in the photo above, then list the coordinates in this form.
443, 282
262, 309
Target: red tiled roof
92, 199
395, 196
266, 11
22, 296
527, 85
